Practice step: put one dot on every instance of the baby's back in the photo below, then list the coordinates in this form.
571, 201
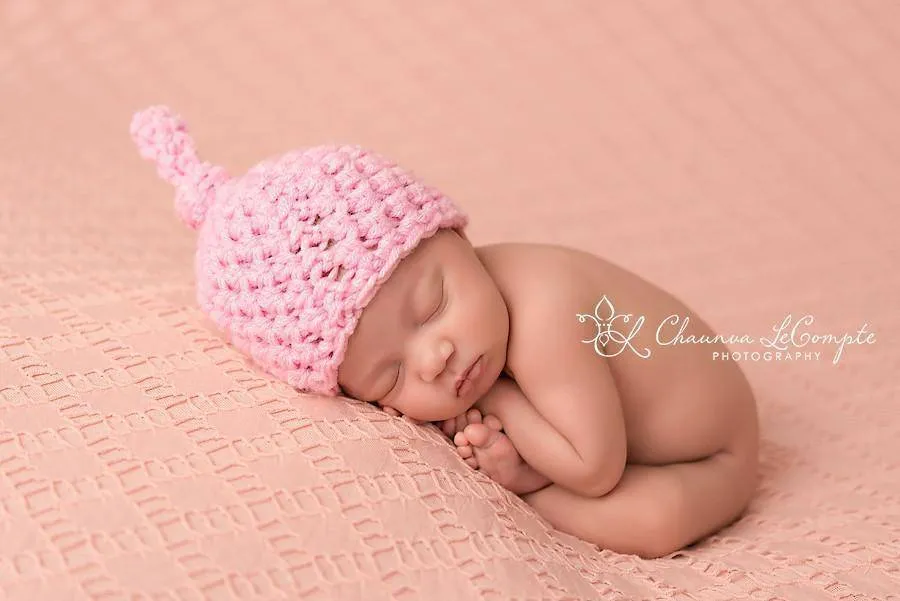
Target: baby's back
678, 402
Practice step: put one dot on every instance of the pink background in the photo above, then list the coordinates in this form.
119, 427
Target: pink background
742, 155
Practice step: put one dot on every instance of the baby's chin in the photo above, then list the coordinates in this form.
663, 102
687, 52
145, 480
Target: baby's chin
454, 407
463, 405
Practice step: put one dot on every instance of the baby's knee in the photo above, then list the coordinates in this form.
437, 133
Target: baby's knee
650, 536
679, 519
661, 533
660, 523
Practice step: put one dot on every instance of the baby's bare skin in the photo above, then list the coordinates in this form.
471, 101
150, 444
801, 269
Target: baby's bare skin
678, 405
484, 446
637, 454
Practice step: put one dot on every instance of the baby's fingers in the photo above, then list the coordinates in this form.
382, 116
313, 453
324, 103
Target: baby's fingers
461, 422
448, 427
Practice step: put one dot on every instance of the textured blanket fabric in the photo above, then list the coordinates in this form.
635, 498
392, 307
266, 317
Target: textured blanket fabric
743, 155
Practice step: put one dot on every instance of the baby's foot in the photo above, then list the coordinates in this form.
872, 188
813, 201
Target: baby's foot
457, 424
494, 454
454, 429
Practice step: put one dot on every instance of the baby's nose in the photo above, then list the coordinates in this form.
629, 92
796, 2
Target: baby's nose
437, 362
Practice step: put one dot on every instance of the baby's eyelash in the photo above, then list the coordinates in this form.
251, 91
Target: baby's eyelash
442, 302
396, 380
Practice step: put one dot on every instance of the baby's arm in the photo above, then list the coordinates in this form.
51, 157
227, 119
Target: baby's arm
563, 412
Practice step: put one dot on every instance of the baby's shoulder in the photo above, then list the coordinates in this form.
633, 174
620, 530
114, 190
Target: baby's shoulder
507, 259
544, 287
532, 272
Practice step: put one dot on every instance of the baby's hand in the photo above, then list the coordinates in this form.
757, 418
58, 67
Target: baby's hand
391, 411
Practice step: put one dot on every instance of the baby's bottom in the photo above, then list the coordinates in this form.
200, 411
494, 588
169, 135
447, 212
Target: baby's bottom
658, 509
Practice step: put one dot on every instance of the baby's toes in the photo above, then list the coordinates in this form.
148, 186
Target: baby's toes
468, 455
473, 416
477, 434
460, 439
465, 452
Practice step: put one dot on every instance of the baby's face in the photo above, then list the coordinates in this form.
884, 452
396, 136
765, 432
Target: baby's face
437, 314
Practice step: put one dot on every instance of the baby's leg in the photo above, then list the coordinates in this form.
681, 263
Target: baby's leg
656, 510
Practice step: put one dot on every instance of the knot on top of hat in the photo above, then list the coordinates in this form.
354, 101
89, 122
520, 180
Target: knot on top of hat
162, 137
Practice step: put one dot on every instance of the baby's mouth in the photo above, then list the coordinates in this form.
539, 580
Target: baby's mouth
465, 379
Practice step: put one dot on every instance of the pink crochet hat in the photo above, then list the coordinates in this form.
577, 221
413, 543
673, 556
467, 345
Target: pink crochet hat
290, 254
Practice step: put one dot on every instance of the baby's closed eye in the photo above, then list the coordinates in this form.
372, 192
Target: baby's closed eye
439, 302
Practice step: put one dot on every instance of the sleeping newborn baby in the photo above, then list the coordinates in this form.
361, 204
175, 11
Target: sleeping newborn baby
636, 452
339, 272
